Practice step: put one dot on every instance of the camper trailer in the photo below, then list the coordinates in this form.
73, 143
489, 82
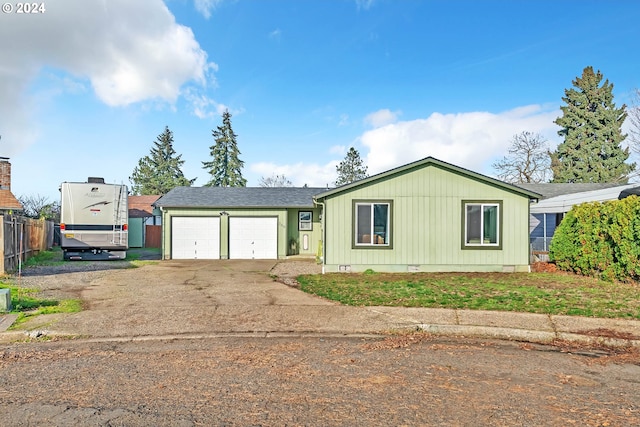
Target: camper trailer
93, 220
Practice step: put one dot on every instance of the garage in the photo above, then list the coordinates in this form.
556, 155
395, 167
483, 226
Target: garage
253, 237
195, 237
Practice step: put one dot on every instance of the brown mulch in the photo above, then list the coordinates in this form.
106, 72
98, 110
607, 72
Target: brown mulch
543, 267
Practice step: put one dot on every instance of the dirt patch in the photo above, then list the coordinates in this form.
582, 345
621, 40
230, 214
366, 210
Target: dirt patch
287, 271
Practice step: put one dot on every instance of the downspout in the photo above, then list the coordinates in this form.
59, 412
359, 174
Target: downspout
324, 233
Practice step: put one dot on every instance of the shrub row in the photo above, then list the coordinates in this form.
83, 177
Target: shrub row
600, 239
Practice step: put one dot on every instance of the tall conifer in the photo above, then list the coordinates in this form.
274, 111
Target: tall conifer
591, 127
225, 167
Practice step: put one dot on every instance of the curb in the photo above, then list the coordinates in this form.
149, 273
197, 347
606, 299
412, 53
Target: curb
539, 337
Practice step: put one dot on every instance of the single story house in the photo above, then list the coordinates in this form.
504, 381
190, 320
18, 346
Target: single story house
557, 199
428, 215
239, 222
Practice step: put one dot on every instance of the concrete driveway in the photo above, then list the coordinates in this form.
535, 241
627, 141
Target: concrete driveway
192, 297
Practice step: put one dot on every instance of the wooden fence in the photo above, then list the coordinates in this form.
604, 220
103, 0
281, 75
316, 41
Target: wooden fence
153, 236
22, 238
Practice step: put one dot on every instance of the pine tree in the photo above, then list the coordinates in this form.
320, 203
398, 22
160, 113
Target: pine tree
351, 168
160, 171
591, 127
225, 167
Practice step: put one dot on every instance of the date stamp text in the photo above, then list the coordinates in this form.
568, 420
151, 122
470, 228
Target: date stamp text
23, 8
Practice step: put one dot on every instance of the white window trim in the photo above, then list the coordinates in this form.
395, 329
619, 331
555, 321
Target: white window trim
305, 225
388, 238
466, 228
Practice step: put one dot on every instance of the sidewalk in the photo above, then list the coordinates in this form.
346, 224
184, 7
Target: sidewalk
339, 320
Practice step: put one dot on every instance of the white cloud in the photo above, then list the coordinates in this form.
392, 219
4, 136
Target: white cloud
364, 4
382, 117
275, 34
128, 51
471, 140
205, 7
313, 175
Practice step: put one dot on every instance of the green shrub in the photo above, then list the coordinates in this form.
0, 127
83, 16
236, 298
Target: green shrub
600, 239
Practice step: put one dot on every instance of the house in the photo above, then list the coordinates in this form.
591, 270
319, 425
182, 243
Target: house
239, 222
557, 199
143, 222
8, 202
426, 216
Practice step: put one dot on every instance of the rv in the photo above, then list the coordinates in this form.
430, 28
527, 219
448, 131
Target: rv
93, 220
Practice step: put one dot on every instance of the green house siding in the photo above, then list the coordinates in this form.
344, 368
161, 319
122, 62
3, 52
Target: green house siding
427, 224
296, 237
281, 214
290, 239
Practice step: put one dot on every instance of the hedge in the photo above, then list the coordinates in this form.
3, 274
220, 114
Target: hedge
600, 239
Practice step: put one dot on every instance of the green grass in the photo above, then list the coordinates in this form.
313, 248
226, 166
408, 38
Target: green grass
48, 258
26, 304
546, 293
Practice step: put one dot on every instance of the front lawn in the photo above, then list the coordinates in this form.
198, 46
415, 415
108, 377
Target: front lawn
546, 293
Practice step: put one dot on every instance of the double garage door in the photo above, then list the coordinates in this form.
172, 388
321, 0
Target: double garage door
249, 237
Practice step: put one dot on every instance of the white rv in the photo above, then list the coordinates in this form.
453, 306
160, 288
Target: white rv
93, 220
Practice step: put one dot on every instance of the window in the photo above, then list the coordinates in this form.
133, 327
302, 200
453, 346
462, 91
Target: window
482, 224
305, 220
372, 224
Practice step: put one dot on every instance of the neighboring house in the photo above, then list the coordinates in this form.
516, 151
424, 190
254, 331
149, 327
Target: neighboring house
239, 222
558, 199
141, 220
8, 202
426, 216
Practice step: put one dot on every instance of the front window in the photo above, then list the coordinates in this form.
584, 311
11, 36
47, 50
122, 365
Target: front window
482, 224
372, 224
305, 220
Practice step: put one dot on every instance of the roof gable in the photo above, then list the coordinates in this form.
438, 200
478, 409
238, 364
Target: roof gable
239, 197
141, 206
428, 162
8, 201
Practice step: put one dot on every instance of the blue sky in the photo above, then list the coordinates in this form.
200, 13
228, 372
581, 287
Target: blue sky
87, 86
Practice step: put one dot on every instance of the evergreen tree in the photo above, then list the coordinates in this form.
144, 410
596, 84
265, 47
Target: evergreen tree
351, 168
160, 171
225, 167
591, 127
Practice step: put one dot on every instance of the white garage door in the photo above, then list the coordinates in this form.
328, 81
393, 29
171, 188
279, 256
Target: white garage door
253, 238
195, 237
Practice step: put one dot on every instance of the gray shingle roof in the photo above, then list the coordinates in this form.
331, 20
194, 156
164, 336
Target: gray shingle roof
239, 197
548, 190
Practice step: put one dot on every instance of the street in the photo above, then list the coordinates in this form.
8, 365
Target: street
243, 380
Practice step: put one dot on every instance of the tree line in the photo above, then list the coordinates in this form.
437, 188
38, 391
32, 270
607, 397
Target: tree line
161, 169
591, 150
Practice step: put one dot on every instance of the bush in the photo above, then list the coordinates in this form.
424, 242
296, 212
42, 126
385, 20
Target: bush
600, 239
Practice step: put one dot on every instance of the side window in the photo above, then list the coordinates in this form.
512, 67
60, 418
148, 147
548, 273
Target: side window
305, 220
482, 224
372, 224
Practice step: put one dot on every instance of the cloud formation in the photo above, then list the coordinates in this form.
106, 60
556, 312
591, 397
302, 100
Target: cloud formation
127, 51
471, 140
